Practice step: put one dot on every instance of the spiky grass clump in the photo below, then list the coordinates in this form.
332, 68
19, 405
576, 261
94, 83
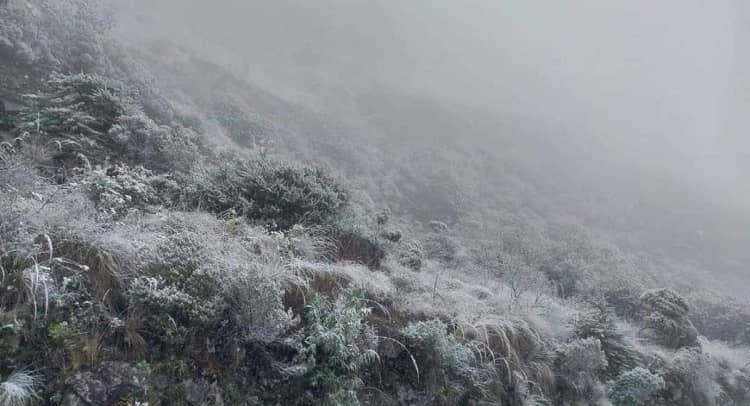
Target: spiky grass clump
462, 360
19, 389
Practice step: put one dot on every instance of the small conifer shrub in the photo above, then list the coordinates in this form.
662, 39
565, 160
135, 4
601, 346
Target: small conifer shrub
273, 193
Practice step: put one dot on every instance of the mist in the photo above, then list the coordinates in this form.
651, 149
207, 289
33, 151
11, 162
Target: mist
652, 84
374, 202
642, 104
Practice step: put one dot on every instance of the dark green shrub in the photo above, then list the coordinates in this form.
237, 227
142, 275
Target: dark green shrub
273, 193
598, 322
351, 245
665, 317
80, 108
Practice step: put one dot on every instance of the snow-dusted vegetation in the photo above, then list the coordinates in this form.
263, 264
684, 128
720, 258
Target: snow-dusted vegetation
172, 235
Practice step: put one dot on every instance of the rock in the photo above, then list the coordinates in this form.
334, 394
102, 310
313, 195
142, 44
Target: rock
201, 393
103, 384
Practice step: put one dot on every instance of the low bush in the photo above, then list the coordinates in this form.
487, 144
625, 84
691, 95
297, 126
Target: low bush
352, 244
441, 246
635, 387
337, 345
273, 193
411, 255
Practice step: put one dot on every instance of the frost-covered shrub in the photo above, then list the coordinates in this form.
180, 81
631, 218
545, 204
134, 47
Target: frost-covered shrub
393, 235
79, 108
259, 306
273, 193
337, 344
182, 261
136, 138
584, 355
694, 375
155, 297
598, 322
440, 350
635, 387
666, 317
441, 246
411, 255
118, 189
580, 363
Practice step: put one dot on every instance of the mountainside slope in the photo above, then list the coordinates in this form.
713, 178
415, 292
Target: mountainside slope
170, 234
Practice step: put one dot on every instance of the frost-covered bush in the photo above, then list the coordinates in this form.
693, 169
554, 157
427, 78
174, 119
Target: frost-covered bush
666, 316
273, 193
118, 189
79, 108
694, 375
136, 138
581, 362
635, 387
411, 255
598, 322
259, 306
442, 351
584, 355
155, 297
441, 246
338, 343
182, 261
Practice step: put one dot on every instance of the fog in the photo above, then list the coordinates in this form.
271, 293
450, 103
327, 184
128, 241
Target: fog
657, 84
643, 97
